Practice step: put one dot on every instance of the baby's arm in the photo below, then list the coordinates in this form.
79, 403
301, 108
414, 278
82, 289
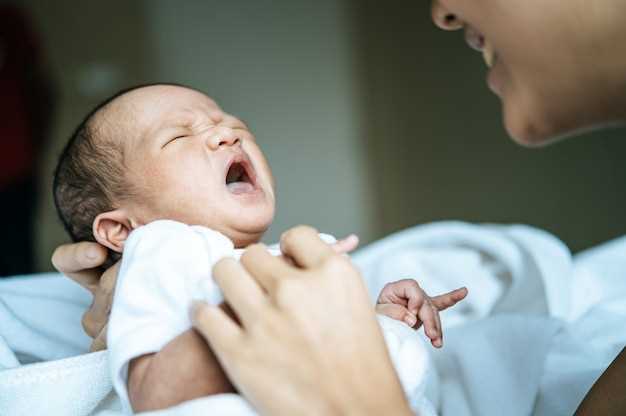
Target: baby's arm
184, 369
405, 300
156, 359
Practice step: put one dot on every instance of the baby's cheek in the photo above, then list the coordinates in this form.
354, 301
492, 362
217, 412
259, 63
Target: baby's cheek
264, 170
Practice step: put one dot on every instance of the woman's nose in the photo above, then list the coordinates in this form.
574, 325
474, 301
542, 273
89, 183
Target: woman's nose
223, 137
444, 18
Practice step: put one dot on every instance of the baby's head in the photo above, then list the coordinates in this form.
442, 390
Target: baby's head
162, 152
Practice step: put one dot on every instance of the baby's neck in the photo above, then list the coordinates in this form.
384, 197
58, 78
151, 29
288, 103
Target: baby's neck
241, 239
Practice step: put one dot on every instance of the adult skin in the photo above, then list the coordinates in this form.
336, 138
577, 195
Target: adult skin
559, 68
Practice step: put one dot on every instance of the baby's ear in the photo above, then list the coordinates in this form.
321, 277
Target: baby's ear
111, 229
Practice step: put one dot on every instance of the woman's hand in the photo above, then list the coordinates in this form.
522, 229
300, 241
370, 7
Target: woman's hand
346, 245
82, 263
308, 341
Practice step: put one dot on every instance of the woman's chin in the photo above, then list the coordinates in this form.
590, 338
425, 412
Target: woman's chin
533, 134
534, 120
526, 136
535, 128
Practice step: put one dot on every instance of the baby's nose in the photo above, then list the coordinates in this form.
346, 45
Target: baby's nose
223, 136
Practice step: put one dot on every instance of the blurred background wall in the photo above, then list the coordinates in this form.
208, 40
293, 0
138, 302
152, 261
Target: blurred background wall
436, 141
284, 67
372, 119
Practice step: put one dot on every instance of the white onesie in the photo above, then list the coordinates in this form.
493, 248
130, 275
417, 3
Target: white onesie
165, 267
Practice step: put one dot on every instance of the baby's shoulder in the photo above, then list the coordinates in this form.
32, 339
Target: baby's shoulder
170, 235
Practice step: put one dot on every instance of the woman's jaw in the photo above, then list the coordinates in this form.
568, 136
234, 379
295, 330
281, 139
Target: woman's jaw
558, 68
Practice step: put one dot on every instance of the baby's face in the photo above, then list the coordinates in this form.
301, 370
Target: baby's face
194, 163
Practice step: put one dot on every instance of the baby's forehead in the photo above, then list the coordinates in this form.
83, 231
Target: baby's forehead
156, 102
142, 110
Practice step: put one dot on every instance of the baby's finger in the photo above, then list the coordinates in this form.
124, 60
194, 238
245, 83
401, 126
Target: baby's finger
438, 342
429, 318
346, 245
415, 295
397, 312
443, 302
401, 292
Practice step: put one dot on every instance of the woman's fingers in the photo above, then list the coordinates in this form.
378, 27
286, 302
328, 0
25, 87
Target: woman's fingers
98, 314
346, 245
241, 291
443, 302
305, 337
215, 325
100, 341
79, 262
265, 268
303, 245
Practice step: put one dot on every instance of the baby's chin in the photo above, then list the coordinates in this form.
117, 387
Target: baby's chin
249, 229
242, 239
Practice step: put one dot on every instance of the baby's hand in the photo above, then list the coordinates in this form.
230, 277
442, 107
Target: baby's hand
405, 301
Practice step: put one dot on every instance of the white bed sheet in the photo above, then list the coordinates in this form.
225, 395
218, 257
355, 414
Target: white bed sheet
538, 327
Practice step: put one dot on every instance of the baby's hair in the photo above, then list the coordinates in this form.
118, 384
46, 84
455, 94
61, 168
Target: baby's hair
89, 178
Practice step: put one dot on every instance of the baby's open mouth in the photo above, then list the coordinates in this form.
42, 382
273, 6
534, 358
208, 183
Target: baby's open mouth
240, 178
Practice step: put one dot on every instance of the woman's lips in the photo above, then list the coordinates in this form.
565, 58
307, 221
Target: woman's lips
494, 80
489, 54
478, 42
474, 38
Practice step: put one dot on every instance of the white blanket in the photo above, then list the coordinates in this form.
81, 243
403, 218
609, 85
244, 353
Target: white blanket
535, 332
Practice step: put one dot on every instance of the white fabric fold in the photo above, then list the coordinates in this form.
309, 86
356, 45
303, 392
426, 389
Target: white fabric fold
166, 266
536, 331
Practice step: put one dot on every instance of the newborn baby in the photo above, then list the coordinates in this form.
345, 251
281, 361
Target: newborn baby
163, 175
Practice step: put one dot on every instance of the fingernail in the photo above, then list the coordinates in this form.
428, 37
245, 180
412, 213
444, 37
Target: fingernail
410, 320
438, 343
